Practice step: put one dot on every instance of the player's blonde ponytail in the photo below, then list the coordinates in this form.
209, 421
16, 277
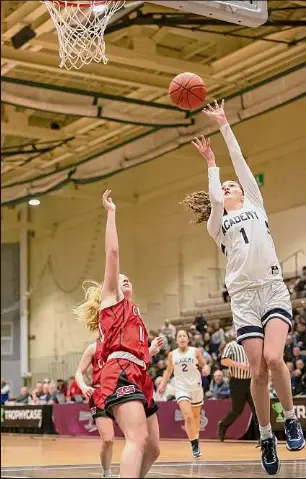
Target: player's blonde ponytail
88, 311
199, 203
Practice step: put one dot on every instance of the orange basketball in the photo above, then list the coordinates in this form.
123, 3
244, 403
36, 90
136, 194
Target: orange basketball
187, 91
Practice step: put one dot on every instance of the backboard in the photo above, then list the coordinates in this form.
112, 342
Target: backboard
251, 13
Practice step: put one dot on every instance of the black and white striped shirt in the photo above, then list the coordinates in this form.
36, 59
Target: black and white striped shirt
235, 352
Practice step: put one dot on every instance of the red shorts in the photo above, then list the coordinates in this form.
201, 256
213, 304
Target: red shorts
94, 399
122, 381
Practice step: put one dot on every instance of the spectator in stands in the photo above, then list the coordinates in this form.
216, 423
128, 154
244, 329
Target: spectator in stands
74, 393
225, 294
300, 335
61, 387
297, 354
55, 396
219, 388
5, 391
45, 397
206, 375
300, 364
197, 341
298, 383
288, 349
207, 357
25, 397
37, 392
230, 334
200, 323
303, 389
168, 330
207, 342
290, 366
217, 338
169, 393
160, 367
299, 289
192, 331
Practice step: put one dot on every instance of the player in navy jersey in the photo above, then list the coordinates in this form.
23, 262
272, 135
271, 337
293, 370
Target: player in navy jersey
260, 301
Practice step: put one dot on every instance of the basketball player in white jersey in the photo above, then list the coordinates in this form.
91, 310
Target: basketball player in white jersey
184, 362
260, 301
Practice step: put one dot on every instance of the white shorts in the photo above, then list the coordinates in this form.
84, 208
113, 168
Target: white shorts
253, 308
195, 397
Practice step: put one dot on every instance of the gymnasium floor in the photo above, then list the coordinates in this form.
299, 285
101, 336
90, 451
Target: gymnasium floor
70, 457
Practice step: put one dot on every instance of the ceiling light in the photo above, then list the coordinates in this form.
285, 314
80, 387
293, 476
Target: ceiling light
34, 202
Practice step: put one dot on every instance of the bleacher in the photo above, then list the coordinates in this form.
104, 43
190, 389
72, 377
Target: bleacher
214, 308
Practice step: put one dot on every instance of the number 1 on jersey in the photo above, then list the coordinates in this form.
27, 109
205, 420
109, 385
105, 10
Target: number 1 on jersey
244, 235
141, 334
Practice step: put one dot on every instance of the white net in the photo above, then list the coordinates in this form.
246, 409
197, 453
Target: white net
80, 29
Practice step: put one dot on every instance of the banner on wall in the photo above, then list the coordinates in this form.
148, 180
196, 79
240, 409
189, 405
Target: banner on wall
26, 416
277, 414
75, 419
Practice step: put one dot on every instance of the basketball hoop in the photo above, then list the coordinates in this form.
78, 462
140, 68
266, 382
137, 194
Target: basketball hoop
80, 27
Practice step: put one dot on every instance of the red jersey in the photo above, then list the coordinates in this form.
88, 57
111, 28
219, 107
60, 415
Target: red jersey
73, 389
122, 329
97, 363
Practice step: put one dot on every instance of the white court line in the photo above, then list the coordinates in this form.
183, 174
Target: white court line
169, 474
16, 477
162, 464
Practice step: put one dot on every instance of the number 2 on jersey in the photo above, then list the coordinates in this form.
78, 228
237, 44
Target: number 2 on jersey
184, 368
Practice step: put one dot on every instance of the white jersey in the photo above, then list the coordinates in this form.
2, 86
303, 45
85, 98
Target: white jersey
186, 373
243, 235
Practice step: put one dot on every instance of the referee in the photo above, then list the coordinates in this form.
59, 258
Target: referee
234, 358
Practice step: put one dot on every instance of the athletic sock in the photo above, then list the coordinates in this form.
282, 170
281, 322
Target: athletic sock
265, 432
289, 414
194, 442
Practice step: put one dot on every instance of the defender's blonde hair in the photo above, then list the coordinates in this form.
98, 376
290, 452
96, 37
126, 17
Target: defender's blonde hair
88, 311
199, 203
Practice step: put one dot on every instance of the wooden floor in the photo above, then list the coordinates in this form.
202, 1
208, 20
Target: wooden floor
73, 457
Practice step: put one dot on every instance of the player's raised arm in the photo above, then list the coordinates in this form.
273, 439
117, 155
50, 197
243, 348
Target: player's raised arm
243, 172
84, 364
215, 190
110, 287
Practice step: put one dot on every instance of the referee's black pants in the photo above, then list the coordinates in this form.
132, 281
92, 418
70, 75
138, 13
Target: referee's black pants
240, 394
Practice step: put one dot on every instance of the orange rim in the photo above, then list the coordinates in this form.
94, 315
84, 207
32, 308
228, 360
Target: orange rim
81, 4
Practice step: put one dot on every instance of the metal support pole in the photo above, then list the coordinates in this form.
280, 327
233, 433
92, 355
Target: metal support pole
24, 313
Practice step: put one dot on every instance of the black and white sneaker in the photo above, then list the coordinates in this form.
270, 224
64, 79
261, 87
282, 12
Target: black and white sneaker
269, 459
196, 449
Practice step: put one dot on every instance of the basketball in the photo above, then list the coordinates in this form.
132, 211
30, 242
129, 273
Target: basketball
187, 91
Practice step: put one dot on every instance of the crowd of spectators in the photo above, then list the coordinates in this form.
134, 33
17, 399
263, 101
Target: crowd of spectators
46, 392
210, 338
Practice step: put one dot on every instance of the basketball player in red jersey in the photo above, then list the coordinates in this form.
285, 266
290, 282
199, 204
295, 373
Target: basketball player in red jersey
127, 389
93, 357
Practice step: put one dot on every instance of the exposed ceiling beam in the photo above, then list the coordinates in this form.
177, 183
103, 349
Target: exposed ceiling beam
126, 56
21, 17
248, 52
49, 62
17, 126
